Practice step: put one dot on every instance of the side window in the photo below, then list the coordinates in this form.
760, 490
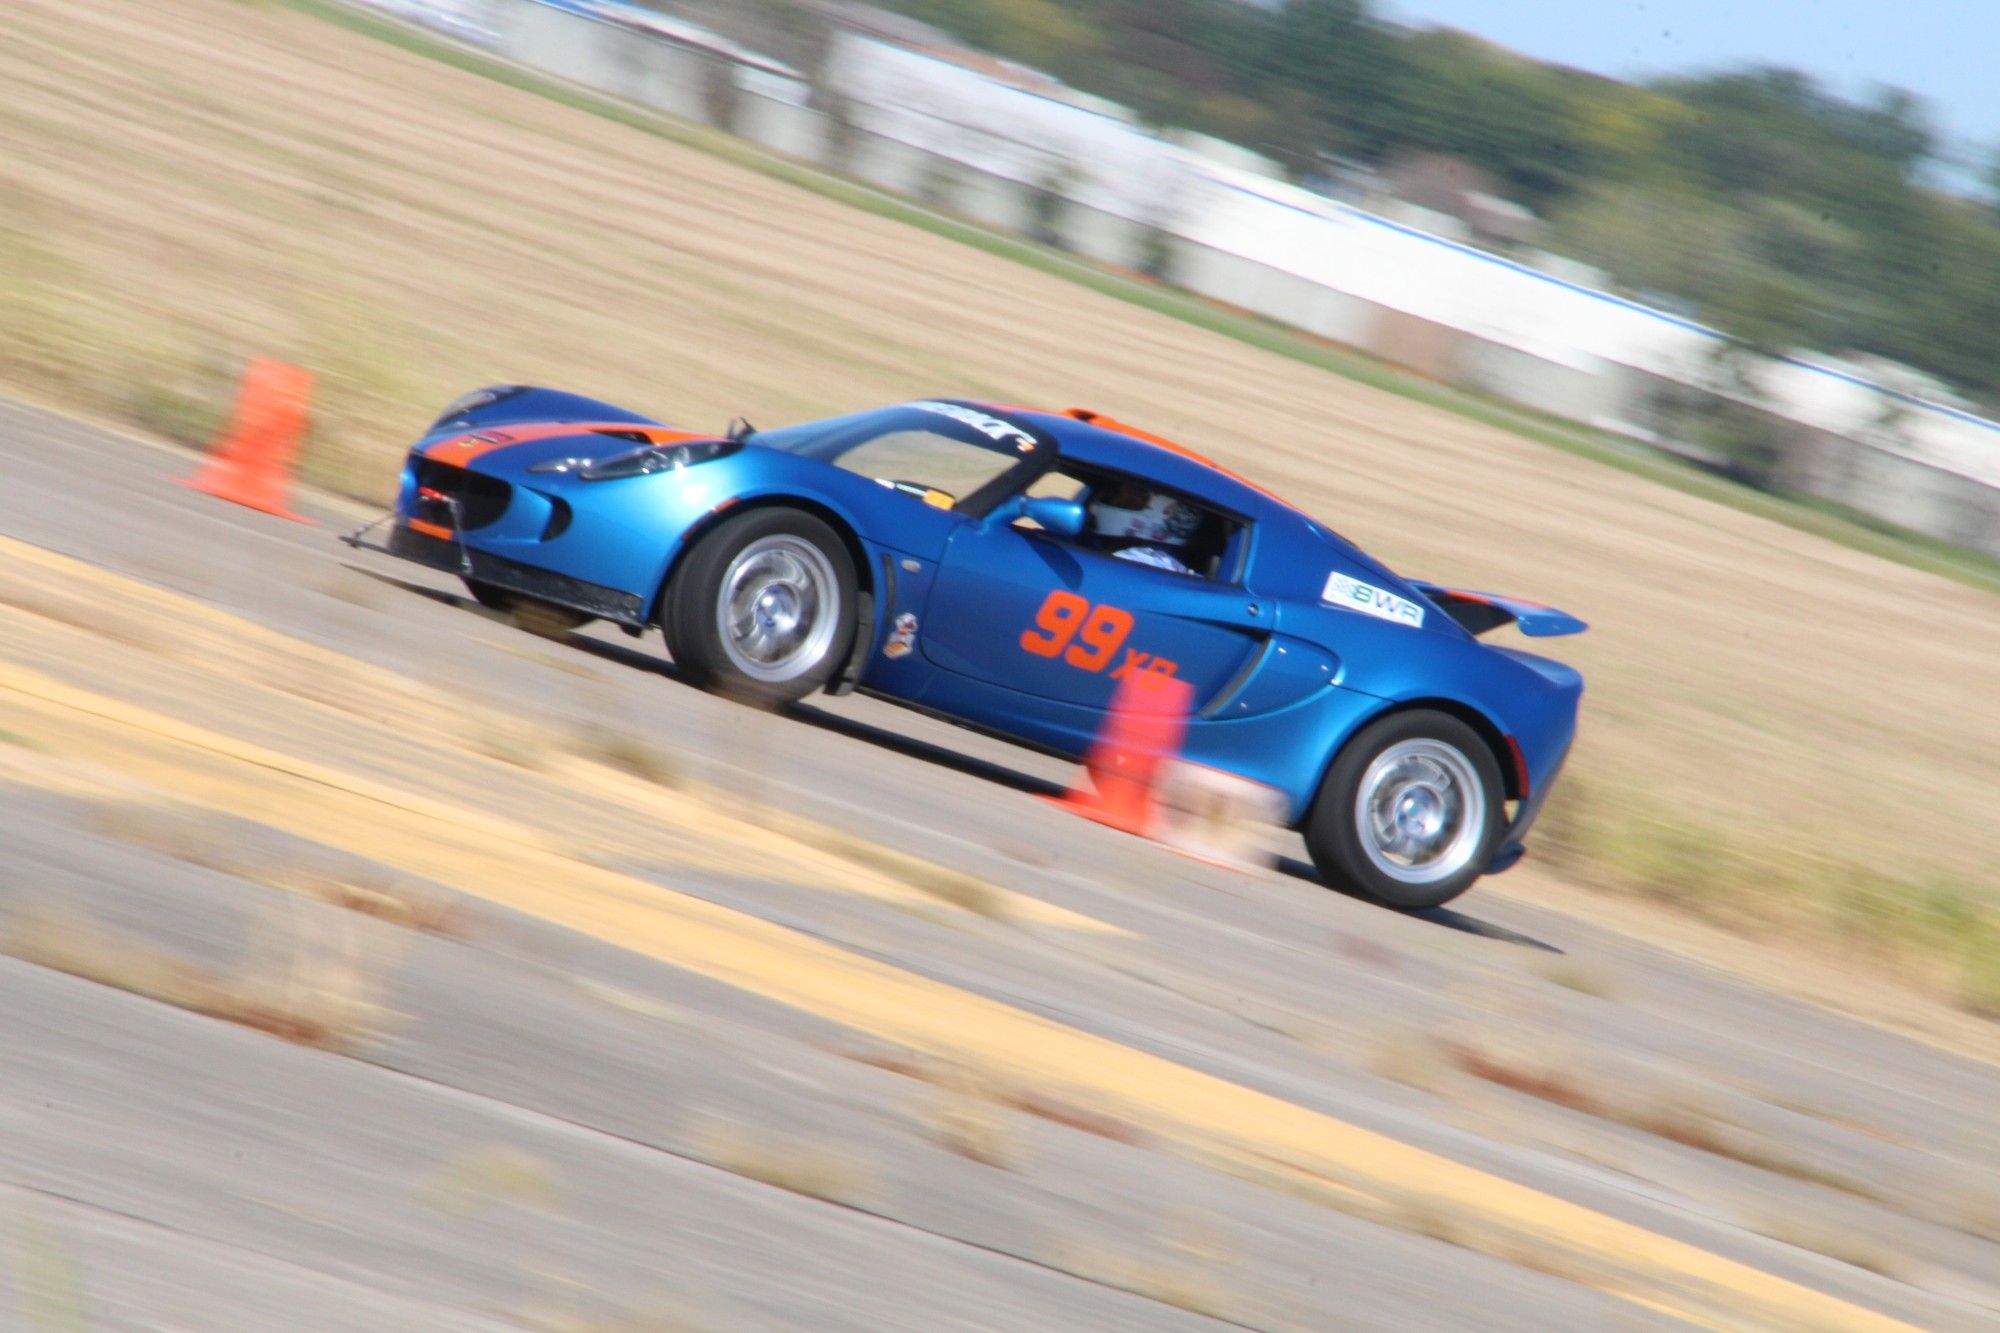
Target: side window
934, 468
1133, 520
1057, 484
1052, 485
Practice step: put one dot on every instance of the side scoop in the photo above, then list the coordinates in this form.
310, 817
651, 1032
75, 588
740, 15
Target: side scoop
1479, 612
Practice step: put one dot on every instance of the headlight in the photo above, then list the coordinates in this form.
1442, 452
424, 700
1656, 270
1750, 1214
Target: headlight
647, 458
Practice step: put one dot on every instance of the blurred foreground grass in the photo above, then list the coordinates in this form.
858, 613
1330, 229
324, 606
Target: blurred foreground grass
1937, 934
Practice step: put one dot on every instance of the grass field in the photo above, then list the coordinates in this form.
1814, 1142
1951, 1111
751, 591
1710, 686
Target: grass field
1785, 733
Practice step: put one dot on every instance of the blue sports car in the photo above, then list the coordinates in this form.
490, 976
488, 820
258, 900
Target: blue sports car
1008, 569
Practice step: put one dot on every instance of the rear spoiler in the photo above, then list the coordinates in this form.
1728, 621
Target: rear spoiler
1479, 612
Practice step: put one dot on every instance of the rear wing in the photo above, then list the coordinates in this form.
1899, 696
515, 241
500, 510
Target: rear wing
1478, 612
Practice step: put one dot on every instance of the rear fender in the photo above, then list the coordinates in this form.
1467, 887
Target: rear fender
1506, 752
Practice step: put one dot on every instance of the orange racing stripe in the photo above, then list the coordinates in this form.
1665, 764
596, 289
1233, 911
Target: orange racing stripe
1103, 422
462, 449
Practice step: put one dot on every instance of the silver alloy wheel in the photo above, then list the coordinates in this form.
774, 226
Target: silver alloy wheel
779, 608
1420, 811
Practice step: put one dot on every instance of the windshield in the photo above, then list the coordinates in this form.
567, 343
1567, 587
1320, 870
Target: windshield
944, 453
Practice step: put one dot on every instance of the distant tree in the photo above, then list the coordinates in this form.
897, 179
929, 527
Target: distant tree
1775, 131
1659, 241
1037, 32
1457, 94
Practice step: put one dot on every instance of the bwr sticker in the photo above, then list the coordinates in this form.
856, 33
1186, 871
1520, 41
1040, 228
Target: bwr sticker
1088, 637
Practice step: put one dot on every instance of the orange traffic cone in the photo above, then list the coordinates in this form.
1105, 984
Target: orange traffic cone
250, 463
1141, 733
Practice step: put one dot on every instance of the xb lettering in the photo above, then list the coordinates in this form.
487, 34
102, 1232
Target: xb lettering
1136, 661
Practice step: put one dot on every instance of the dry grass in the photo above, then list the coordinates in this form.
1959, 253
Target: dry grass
1937, 934
511, 741
398, 905
944, 884
177, 832
488, 1176
48, 1275
1191, 1282
200, 838
1849, 700
355, 590
1183, 1274
816, 1170
1975, 1210
1172, 1283
649, 1321
1544, 1081
628, 754
317, 982
55, 606
959, 1080
965, 1120
1579, 978
544, 620
1416, 1214
1677, 1118
950, 886
1413, 1058
1837, 1244
1369, 953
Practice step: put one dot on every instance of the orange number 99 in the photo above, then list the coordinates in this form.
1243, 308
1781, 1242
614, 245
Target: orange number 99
1060, 616
1099, 638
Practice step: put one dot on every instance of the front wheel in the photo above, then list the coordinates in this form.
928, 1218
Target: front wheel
1410, 812
763, 608
489, 596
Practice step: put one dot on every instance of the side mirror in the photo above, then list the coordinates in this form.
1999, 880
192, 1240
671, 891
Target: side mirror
1057, 517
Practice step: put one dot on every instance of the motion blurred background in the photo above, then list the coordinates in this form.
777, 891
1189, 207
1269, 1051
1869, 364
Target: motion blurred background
1692, 336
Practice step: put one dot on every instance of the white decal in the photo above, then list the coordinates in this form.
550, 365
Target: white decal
1370, 600
902, 637
993, 428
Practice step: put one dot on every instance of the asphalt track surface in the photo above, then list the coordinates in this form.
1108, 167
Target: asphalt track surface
671, 1088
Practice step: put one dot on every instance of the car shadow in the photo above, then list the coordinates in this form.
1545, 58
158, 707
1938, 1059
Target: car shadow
438, 595
618, 653
970, 765
1447, 917
852, 728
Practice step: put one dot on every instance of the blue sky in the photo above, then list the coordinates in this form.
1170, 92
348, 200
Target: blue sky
1945, 51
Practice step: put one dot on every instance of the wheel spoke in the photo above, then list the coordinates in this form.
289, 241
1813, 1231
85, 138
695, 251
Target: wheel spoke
1420, 811
777, 608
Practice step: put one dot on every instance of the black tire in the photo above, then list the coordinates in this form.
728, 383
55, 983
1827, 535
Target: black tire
488, 596
800, 584
1432, 764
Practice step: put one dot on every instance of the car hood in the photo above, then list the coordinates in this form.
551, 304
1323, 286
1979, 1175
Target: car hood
507, 450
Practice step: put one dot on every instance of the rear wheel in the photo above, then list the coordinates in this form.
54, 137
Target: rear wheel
763, 608
1410, 812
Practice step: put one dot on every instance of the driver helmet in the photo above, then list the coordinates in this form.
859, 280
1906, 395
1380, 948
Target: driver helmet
1127, 511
